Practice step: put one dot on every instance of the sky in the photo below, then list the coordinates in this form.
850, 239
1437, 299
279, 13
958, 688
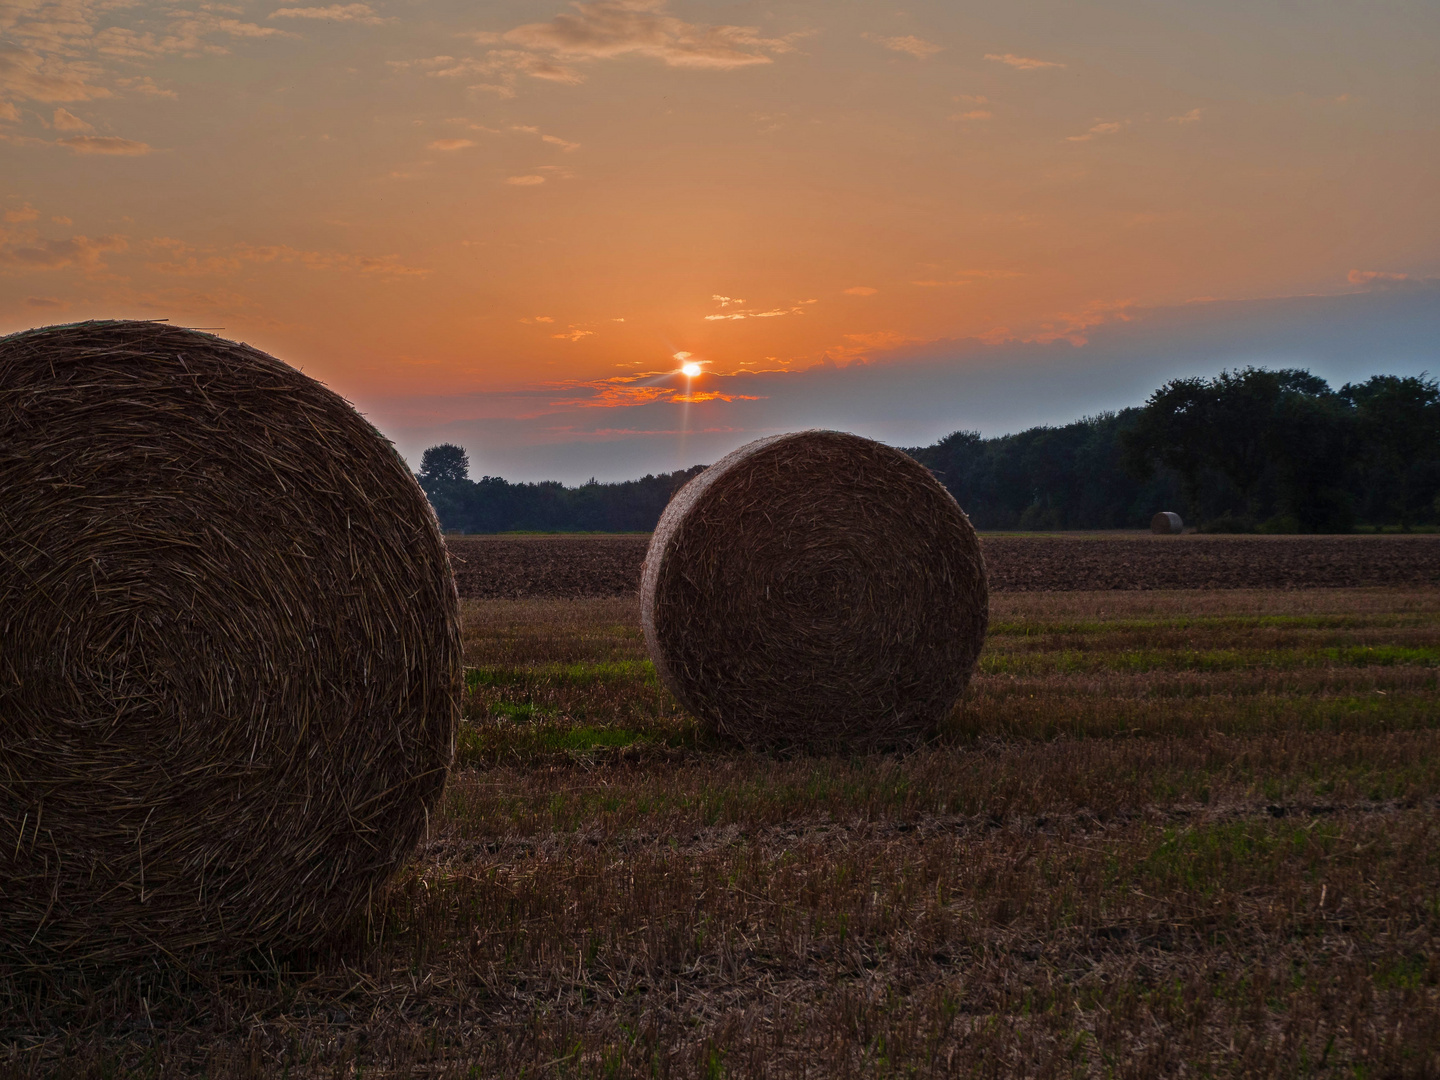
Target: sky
508, 224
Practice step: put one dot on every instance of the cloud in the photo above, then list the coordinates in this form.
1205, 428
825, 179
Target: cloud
46, 303
65, 120
915, 394
184, 35
146, 85
1104, 127
358, 13
378, 265
525, 181
79, 252
737, 316
1022, 63
573, 334
106, 144
9, 112
1366, 277
505, 66
29, 76
527, 129
1186, 118
628, 392
860, 290
25, 213
916, 47
1073, 327
185, 260
974, 114
451, 144
605, 29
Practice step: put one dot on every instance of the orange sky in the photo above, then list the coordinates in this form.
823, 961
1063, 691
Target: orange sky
419, 199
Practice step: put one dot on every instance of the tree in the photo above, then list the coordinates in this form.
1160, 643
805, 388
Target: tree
1244, 426
446, 462
1399, 435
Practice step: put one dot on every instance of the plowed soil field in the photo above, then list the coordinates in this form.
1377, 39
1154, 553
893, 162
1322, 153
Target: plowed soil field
594, 566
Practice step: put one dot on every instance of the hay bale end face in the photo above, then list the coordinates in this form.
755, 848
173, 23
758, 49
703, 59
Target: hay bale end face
1166, 523
231, 661
815, 589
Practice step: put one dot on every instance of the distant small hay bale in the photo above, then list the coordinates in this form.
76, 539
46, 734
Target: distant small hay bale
230, 675
815, 589
1166, 524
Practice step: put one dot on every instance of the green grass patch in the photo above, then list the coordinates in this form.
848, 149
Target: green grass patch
1139, 661
574, 674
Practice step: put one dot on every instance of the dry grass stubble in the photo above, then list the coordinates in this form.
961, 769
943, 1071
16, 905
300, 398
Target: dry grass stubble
1210, 887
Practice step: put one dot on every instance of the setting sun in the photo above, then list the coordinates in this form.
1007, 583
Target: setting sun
690, 369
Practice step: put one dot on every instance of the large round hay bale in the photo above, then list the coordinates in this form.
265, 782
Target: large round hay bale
1166, 523
815, 589
229, 658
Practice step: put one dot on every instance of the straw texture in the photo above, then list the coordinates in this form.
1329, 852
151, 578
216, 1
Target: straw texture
815, 589
1166, 523
230, 668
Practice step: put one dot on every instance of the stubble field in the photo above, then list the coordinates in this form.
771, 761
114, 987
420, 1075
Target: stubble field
1167, 832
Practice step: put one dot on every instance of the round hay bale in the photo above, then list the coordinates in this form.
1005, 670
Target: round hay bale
1167, 524
815, 589
230, 669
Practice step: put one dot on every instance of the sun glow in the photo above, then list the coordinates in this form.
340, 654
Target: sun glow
690, 369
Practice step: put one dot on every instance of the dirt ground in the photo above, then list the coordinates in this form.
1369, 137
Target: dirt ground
573, 567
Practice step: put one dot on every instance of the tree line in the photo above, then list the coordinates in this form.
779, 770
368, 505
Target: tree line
1248, 450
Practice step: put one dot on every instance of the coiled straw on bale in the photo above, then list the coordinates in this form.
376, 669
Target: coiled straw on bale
1167, 523
230, 667
815, 589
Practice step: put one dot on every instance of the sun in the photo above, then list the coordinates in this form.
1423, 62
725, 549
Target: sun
690, 369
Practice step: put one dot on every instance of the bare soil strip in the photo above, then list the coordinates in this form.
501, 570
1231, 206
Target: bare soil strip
574, 567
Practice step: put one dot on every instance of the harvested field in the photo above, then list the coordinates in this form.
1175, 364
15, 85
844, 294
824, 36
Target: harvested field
595, 566
1166, 833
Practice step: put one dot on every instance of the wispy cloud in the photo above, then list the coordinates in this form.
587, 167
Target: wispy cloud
1072, 326
24, 213
629, 391
530, 180
65, 120
1102, 127
916, 47
357, 13
1023, 63
1374, 277
29, 76
605, 29
738, 315
146, 85
78, 252
860, 290
106, 144
178, 258
1190, 117
451, 144
574, 334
